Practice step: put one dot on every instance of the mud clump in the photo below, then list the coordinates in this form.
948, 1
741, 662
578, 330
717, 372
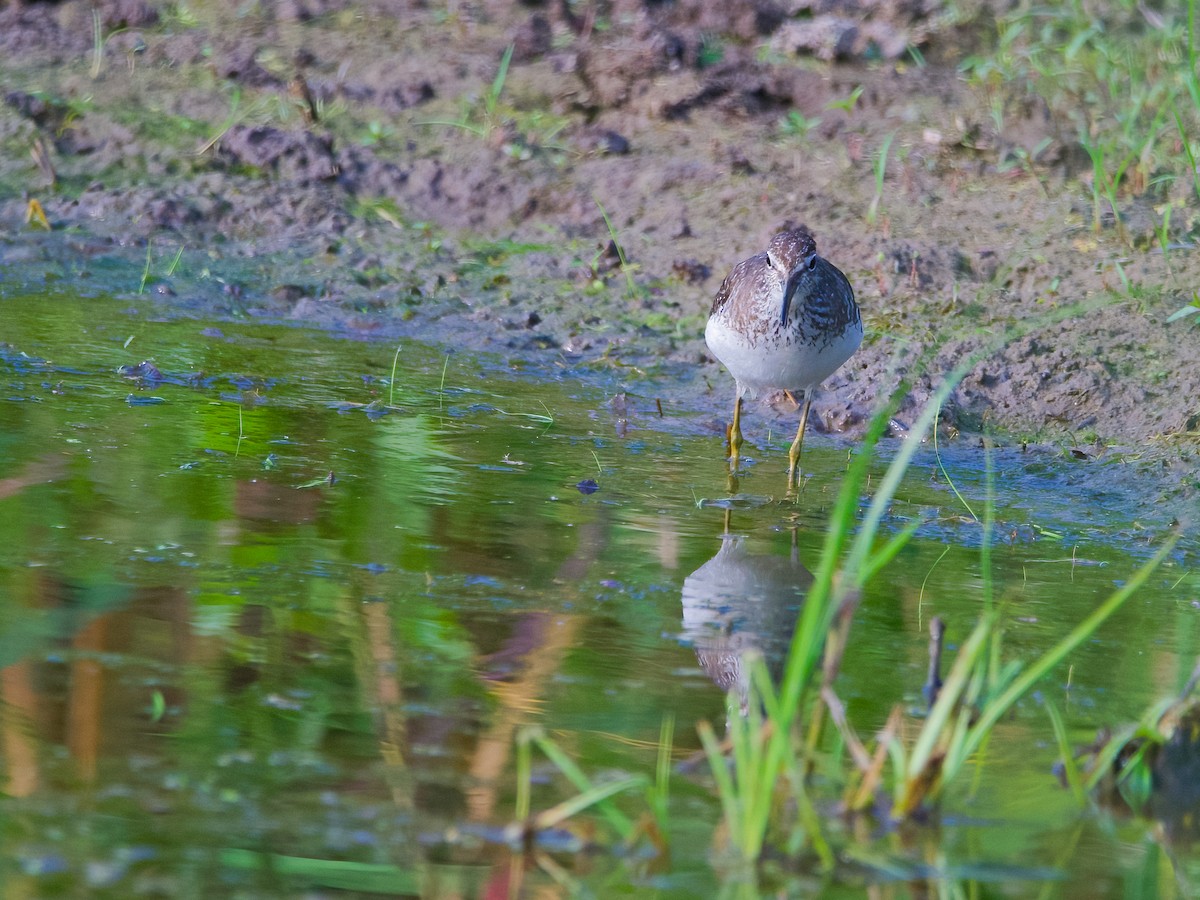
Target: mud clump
300, 158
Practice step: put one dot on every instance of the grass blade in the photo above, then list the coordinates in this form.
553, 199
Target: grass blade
1081, 632
374, 878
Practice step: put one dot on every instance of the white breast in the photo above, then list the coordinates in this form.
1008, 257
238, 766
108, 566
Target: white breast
774, 363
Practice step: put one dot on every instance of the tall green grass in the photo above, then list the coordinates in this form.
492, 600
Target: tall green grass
792, 752
1122, 77
763, 772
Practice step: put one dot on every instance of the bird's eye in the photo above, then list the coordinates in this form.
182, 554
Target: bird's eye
812, 262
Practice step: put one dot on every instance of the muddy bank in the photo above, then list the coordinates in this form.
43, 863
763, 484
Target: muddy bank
363, 164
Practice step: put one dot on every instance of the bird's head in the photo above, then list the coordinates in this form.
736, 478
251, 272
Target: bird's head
793, 254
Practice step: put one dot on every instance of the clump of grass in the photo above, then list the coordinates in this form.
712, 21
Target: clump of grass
781, 747
763, 785
764, 771
591, 794
488, 119
1114, 72
650, 831
1134, 763
796, 124
978, 692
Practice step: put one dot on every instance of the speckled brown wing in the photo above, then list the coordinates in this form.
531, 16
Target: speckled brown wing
736, 276
722, 297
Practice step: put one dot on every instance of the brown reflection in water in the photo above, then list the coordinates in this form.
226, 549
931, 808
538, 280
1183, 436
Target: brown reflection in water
260, 502
20, 707
83, 705
382, 683
529, 659
98, 712
517, 674
85, 698
22, 702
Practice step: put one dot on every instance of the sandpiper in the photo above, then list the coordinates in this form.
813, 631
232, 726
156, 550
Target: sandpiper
783, 320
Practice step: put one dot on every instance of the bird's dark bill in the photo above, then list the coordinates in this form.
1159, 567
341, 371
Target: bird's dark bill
789, 290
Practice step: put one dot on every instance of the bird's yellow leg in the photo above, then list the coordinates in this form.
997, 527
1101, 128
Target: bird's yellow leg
735, 433
798, 443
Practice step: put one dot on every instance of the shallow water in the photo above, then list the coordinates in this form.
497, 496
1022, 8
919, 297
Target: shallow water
263, 597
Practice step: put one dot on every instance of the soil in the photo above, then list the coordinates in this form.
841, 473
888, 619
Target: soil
360, 165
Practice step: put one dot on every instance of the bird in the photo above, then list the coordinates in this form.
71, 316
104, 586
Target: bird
782, 320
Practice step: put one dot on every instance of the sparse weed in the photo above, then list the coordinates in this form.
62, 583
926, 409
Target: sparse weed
1186, 147
491, 100
99, 41
796, 124
180, 16
384, 208
487, 117
881, 160
376, 132
848, 103
483, 120
482, 255
147, 269
712, 51
1140, 294
1186, 312
235, 115
1026, 160
633, 289
763, 784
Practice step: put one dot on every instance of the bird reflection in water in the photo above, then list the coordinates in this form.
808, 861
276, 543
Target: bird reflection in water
741, 603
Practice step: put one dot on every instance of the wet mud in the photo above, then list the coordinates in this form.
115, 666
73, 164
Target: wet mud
373, 166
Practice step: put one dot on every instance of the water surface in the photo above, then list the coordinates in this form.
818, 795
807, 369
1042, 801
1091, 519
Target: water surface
262, 596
